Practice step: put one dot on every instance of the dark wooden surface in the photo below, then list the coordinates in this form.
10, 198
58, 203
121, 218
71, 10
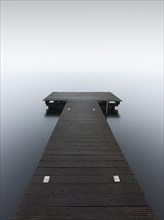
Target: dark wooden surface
81, 158
98, 96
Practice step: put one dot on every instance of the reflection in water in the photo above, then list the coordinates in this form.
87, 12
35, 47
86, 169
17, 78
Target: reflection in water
113, 114
51, 113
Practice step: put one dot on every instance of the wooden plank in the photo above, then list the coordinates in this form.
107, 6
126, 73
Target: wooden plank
80, 163
81, 213
89, 171
81, 159
85, 188
76, 200
82, 95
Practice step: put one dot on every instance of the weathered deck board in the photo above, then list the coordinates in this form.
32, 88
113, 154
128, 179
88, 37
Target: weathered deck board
81, 213
98, 96
81, 158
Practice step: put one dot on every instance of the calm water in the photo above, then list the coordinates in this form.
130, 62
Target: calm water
26, 129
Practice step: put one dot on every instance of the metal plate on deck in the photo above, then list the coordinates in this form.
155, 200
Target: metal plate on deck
46, 179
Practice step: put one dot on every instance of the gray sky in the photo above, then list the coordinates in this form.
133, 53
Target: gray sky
82, 40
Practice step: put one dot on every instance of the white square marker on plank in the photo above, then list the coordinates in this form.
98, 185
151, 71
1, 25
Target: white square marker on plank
46, 179
116, 179
94, 109
69, 109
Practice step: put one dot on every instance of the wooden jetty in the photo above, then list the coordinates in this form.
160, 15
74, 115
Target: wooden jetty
82, 174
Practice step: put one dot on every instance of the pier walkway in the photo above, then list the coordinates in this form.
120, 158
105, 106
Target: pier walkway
83, 174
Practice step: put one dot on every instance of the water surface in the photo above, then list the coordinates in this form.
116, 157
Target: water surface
26, 129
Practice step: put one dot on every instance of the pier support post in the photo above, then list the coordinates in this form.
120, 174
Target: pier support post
107, 106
